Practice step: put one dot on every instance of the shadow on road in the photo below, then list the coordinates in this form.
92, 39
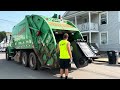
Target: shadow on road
113, 65
12, 65
56, 71
1, 60
106, 64
99, 63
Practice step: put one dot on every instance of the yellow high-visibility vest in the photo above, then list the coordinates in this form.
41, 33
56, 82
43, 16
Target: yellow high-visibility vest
63, 50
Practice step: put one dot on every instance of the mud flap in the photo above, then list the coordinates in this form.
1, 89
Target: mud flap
17, 57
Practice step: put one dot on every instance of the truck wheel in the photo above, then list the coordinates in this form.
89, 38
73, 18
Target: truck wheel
33, 61
24, 59
8, 58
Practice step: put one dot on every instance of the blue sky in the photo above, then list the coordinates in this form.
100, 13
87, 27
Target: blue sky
14, 17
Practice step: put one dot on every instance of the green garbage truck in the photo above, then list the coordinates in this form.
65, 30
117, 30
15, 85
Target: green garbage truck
34, 40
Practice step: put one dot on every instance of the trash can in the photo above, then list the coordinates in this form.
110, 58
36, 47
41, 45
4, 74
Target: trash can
113, 57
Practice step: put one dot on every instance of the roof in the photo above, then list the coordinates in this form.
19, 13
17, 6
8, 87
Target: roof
69, 13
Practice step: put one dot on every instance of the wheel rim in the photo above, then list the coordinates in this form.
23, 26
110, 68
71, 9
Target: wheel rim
23, 59
32, 61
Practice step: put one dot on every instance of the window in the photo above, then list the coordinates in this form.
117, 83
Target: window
103, 18
103, 38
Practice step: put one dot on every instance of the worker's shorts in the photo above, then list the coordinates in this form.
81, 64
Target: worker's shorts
64, 63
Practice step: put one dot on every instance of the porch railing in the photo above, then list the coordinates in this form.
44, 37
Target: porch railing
85, 27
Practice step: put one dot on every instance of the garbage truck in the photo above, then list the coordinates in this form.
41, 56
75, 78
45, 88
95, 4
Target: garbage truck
34, 40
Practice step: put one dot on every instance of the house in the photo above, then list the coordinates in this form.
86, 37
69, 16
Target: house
100, 27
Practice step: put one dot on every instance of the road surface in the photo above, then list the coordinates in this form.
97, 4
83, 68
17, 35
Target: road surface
96, 70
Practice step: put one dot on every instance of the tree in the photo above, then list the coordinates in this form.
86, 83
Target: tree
2, 35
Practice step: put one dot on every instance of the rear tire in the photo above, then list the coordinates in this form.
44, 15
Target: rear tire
33, 62
24, 59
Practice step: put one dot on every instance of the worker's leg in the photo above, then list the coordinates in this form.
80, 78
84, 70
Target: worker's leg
66, 73
61, 72
66, 68
61, 68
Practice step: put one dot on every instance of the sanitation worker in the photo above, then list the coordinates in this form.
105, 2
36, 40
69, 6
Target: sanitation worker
65, 55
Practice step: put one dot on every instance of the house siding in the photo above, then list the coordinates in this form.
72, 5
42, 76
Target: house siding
112, 28
95, 38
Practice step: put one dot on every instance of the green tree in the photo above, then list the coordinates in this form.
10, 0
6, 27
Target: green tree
2, 35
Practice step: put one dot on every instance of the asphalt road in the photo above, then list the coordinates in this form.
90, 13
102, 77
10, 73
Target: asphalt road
13, 70
96, 70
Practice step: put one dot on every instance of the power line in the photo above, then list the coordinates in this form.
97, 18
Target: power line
7, 20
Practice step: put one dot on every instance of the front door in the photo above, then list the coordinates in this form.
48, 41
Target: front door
85, 38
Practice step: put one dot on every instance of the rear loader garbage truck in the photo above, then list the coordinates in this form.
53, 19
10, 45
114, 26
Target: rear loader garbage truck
34, 41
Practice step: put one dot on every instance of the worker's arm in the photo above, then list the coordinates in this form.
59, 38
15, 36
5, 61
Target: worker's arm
69, 50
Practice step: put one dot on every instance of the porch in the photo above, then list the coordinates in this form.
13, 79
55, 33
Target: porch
85, 27
86, 21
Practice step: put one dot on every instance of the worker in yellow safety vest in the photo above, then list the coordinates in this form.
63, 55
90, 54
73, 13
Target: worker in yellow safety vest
65, 55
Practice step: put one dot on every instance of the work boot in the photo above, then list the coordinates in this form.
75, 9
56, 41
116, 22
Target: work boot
66, 77
61, 77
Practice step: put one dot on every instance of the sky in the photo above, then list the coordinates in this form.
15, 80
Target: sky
10, 18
